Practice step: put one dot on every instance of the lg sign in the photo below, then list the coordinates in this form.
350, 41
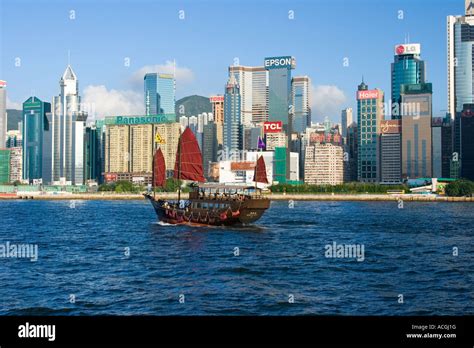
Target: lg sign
373, 94
407, 49
272, 127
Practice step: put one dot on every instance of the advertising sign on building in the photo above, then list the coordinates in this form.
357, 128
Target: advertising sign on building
286, 62
407, 49
390, 126
216, 98
272, 127
110, 177
371, 94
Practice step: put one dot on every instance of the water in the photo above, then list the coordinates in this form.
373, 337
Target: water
83, 247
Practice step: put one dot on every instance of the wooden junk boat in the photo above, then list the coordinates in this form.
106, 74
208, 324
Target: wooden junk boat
208, 204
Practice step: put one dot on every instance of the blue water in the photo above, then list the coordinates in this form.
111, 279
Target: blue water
82, 251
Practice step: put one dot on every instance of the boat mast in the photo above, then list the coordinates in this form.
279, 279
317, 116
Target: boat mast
179, 167
153, 175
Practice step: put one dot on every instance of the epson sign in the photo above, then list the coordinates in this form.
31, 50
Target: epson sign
280, 62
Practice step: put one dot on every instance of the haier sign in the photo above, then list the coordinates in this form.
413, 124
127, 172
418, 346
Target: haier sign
287, 62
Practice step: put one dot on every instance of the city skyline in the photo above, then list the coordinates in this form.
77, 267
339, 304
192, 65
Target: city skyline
101, 59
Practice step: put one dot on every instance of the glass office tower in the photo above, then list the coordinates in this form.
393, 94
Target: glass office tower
159, 94
407, 68
279, 87
34, 124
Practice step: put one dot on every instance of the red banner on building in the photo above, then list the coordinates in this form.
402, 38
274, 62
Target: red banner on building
272, 127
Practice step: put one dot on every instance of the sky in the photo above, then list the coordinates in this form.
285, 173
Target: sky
112, 43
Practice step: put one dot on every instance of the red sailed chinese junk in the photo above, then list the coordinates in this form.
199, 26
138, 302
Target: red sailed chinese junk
208, 204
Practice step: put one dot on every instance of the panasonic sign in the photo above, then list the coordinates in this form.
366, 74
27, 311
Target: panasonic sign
287, 62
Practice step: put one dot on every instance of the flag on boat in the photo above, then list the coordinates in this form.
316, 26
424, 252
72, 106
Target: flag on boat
159, 139
261, 144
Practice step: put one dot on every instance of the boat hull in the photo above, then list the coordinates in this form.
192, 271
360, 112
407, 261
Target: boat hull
239, 213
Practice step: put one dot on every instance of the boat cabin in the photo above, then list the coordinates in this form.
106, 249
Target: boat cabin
224, 192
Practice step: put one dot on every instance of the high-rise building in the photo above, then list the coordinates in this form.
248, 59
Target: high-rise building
131, 141
3, 112
92, 154
253, 86
159, 92
370, 112
217, 103
34, 124
5, 166
209, 146
416, 130
152, 103
351, 154
14, 138
407, 68
251, 136
279, 87
390, 152
281, 163
232, 116
68, 124
346, 121
301, 87
437, 146
16, 154
323, 164
446, 146
460, 45
467, 142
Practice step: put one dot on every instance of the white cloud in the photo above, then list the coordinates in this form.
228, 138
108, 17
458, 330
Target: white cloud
328, 101
98, 101
13, 105
183, 75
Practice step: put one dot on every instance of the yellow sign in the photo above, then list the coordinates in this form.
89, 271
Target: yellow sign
159, 139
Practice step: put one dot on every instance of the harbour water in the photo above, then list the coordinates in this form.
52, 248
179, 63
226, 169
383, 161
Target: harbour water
112, 257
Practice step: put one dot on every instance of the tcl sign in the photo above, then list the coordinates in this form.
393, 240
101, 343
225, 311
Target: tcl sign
373, 94
407, 49
272, 127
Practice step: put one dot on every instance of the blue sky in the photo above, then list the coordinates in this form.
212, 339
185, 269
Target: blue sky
204, 43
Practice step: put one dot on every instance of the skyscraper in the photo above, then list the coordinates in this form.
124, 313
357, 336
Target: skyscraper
232, 116
279, 87
390, 152
68, 124
346, 121
407, 68
467, 142
152, 103
369, 115
34, 124
416, 130
460, 34
300, 95
159, 92
217, 103
209, 146
253, 85
3, 113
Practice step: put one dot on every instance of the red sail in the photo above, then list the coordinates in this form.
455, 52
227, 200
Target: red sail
260, 174
159, 169
189, 166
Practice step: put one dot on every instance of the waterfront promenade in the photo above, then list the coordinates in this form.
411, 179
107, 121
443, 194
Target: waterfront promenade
274, 196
